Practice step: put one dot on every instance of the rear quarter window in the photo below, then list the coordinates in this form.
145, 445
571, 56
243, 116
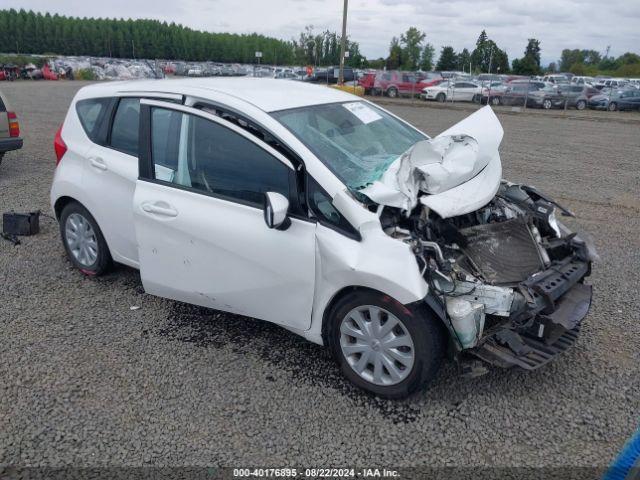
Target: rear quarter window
124, 131
2, 107
91, 113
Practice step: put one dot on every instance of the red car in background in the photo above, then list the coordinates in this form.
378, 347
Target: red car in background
367, 82
48, 74
395, 83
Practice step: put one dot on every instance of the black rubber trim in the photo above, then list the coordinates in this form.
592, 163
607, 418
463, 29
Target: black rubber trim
9, 144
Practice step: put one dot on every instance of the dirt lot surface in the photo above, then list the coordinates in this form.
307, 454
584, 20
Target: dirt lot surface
85, 380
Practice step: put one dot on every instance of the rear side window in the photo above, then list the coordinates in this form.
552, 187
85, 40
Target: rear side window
124, 132
91, 113
2, 107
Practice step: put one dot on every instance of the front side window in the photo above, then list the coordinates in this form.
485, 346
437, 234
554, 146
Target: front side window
355, 140
124, 132
196, 153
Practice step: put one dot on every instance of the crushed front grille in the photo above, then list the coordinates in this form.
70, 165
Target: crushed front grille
504, 252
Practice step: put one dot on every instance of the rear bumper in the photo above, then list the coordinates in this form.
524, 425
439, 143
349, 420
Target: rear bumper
8, 144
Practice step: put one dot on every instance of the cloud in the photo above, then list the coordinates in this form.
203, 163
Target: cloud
569, 24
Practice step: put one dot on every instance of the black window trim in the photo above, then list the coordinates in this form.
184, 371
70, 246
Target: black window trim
354, 234
102, 122
103, 136
302, 175
145, 160
289, 153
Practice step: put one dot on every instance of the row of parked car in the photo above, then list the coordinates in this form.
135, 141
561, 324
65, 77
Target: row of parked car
511, 91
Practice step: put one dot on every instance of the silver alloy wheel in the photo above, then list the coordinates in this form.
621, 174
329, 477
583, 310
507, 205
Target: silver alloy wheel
546, 104
377, 345
81, 239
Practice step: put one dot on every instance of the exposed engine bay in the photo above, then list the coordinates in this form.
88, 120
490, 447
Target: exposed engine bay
506, 279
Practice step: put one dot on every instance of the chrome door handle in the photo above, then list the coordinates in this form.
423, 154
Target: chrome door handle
166, 211
98, 163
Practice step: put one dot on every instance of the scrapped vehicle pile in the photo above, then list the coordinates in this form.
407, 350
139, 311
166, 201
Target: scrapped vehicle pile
505, 275
107, 68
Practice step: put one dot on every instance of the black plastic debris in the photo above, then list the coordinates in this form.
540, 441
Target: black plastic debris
24, 224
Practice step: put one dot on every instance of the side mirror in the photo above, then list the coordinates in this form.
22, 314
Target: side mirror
276, 207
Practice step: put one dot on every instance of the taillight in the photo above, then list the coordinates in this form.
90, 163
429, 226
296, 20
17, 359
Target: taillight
59, 146
14, 125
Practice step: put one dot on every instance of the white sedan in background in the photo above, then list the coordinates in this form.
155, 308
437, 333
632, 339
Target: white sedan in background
460, 91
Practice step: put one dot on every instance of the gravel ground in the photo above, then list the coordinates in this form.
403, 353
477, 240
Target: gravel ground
86, 381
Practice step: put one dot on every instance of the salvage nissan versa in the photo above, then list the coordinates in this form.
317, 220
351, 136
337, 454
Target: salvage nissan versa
323, 213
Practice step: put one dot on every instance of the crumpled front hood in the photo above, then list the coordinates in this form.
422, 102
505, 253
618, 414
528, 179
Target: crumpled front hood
454, 173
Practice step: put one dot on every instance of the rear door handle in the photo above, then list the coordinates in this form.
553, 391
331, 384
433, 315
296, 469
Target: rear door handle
98, 163
163, 209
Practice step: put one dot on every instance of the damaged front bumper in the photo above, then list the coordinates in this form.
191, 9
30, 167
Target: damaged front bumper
559, 303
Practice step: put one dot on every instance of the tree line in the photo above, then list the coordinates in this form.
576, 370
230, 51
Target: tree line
29, 32
411, 51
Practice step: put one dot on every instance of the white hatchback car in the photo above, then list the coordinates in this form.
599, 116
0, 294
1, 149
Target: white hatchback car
321, 212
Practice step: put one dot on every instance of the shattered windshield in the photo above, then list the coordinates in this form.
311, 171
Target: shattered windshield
356, 140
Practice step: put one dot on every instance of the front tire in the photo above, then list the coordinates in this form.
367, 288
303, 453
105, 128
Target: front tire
495, 101
581, 105
382, 346
441, 97
392, 92
83, 240
546, 104
613, 106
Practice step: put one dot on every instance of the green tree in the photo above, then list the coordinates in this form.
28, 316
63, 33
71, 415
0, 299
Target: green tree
530, 63
394, 60
448, 59
570, 57
411, 42
488, 57
464, 59
426, 58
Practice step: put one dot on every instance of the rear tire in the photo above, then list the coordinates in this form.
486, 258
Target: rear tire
613, 106
581, 105
379, 362
83, 240
546, 104
441, 97
495, 101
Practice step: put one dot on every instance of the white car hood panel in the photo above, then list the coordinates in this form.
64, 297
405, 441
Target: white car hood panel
454, 173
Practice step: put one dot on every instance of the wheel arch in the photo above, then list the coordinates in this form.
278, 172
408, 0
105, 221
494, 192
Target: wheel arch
62, 202
339, 296
415, 308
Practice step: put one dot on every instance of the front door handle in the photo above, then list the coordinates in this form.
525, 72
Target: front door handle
160, 208
98, 163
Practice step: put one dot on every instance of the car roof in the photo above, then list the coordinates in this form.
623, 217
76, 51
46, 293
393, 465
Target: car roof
266, 94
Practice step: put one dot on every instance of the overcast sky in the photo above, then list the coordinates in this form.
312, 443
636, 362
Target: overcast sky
558, 24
